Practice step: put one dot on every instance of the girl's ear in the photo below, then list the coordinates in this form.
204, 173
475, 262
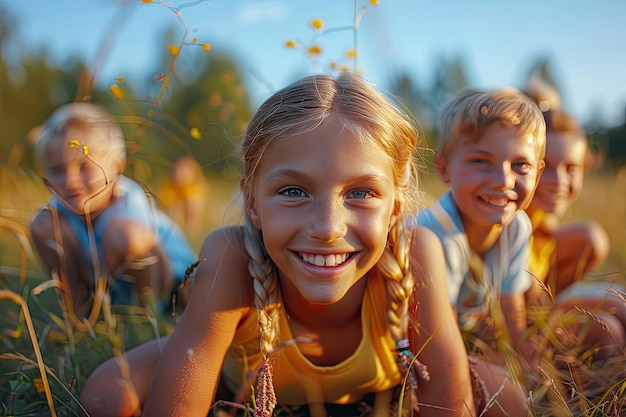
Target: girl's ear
252, 212
397, 206
442, 170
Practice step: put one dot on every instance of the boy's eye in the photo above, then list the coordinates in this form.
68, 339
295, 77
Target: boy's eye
523, 167
292, 192
54, 171
481, 161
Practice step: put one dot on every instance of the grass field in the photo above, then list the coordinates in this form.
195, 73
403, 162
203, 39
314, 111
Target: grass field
36, 335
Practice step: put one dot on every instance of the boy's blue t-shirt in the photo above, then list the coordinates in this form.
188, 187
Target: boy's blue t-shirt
504, 270
134, 205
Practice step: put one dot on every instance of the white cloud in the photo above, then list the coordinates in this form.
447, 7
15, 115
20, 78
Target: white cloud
260, 11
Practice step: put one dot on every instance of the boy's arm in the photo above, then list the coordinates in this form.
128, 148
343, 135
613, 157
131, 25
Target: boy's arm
517, 280
514, 311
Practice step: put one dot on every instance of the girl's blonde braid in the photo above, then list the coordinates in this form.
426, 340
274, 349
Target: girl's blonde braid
267, 299
394, 266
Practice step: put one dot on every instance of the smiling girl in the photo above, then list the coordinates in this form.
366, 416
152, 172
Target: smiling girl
322, 298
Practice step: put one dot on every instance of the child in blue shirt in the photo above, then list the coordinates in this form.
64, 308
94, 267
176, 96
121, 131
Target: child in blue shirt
490, 154
100, 224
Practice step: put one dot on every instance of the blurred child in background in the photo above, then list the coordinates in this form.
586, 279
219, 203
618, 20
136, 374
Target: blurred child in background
184, 195
562, 254
100, 226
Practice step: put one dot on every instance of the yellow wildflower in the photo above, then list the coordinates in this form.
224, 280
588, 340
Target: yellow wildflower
119, 79
38, 383
317, 24
117, 91
173, 50
374, 2
74, 143
146, 1
194, 40
290, 43
314, 50
195, 133
206, 47
215, 100
351, 53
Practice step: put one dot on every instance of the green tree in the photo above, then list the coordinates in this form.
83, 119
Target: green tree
30, 88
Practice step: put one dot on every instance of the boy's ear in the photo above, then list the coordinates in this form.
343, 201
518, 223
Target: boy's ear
542, 165
442, 170
121, 166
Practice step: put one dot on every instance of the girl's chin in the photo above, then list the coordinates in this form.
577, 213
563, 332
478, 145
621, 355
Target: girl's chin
322, 297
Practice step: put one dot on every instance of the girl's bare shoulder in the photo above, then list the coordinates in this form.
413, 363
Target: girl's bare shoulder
424, 240
427, 258
222, 273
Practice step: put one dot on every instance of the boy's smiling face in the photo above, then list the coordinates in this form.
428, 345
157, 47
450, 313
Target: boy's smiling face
70, 169
493, 177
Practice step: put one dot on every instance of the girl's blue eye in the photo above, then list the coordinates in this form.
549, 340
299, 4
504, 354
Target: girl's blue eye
361, 194
292, 192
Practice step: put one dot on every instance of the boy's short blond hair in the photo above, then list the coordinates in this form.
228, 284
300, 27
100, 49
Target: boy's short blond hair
471, 112
89, 117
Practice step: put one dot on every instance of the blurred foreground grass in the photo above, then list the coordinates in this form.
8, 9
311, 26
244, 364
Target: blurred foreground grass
569, 386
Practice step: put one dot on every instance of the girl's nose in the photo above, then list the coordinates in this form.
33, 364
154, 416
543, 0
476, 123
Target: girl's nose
328, 220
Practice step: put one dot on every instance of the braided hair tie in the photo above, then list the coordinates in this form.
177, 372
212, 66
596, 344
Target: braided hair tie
265, 395
410, 365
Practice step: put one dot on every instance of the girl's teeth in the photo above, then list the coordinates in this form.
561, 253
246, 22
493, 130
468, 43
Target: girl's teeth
320, 260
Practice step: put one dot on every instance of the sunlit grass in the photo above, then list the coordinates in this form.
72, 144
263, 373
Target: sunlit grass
46, 354
568, 384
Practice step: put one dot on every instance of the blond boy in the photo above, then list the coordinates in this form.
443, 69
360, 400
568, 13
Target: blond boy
490, 154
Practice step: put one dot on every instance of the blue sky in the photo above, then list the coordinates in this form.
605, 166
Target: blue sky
497, 39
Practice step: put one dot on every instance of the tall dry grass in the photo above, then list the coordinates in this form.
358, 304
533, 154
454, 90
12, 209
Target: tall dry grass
45, 357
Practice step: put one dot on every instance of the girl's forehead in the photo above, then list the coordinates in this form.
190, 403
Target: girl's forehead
324, 145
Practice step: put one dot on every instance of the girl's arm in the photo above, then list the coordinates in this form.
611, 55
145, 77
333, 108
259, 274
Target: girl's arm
449, 390
187, 374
